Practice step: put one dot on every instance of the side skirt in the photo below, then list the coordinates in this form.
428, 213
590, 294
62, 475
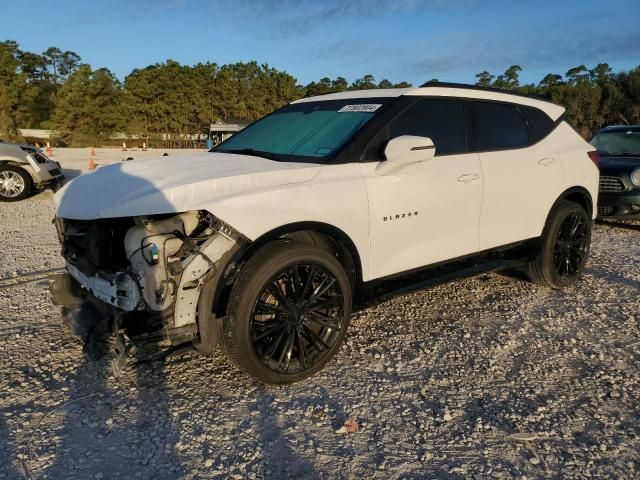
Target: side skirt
381, 290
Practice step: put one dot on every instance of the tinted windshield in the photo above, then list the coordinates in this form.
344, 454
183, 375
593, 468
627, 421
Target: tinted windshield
617, 144
307, 131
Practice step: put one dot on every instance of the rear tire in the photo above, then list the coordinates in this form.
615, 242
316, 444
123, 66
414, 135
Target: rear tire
15, 183
564, 247
288, 312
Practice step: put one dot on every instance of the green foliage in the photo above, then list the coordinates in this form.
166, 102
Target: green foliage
168, 101
88, 107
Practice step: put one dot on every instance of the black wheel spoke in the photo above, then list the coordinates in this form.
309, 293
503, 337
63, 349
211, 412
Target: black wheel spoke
274, 289
571, 246
302, 354
298, 318
314, 338
285, 355
311, 276
269, 308
267, 330
331, 302
321, 289
324, 321
274, 345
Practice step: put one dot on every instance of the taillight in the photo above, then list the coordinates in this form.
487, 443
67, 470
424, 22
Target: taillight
595, 157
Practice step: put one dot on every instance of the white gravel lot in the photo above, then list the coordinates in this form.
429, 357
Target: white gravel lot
486, 377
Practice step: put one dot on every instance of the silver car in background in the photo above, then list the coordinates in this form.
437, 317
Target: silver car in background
24, 168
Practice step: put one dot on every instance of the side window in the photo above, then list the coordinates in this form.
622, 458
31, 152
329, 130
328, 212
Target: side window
540, 121
443, 121
499, 126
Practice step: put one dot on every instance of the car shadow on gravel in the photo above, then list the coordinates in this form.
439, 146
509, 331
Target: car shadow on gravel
116, 429
282, 459
635, 226
613, 276
7, 469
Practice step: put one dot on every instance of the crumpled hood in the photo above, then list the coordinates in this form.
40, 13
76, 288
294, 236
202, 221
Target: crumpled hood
172, 184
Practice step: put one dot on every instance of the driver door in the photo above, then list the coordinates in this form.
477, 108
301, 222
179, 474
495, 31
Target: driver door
429, 211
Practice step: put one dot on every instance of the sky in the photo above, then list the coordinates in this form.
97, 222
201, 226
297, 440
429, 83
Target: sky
401, 40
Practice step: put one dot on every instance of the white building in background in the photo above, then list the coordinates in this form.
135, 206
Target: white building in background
221, 130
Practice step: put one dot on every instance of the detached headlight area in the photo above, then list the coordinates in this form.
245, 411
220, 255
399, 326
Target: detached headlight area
157, 264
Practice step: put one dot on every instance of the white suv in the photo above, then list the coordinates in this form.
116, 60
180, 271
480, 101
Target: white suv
265, 243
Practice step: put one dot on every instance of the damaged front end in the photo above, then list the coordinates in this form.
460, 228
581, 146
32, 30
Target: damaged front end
143, 273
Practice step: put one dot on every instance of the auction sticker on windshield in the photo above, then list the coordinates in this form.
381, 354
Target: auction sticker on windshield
363, 107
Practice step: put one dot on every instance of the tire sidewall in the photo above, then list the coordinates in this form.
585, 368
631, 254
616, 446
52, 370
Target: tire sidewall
549, 239
237, 322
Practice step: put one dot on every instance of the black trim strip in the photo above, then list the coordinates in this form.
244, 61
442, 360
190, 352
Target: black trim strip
427, 147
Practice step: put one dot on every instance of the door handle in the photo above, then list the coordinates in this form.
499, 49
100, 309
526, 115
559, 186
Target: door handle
547, 162
469, 177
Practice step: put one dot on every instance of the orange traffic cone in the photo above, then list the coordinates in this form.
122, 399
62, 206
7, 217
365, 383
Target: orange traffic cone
124, 146
144, 146
49, 150
92, 152
92, 164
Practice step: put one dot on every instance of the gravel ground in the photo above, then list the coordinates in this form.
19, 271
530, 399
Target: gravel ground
487, 377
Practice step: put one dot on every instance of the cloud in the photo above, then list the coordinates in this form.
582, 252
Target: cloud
560, 42
296, 18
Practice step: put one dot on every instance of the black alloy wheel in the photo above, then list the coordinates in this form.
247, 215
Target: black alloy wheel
572, 245
297, 318
563, 248
288, 312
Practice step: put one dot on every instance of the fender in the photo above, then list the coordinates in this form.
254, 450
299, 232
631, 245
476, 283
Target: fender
345, 246
576, 194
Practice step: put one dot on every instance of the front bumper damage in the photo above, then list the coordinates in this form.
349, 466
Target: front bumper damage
159, 287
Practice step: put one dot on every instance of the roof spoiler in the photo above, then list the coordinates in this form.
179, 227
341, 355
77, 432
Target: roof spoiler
467, 86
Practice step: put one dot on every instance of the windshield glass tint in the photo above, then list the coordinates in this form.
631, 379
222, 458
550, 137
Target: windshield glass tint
305, 131
617, 143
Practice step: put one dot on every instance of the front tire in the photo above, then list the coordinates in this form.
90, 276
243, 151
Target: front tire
15, 183
564, 247
288, 312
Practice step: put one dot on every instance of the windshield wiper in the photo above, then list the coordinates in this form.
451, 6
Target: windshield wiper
251, 151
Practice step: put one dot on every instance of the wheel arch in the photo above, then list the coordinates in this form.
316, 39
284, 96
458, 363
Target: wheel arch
319, 234
22, 166
579, 195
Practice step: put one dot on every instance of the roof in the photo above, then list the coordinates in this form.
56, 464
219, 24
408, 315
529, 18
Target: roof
446, 90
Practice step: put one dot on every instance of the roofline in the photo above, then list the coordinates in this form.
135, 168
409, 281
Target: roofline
444, 89
467, 86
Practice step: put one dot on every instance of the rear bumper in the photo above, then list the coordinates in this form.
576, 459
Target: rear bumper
619, 205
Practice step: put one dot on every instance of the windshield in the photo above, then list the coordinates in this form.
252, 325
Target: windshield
617, 144
307, 131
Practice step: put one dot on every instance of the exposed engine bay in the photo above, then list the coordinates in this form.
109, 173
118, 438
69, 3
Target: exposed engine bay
152, 268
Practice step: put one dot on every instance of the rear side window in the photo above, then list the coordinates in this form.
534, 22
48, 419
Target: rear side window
443, 121
499, 126
540, 123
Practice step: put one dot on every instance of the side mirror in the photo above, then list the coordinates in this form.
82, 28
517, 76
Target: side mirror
405, 150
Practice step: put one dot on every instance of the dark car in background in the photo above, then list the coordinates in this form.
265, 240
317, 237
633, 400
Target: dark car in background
619, 149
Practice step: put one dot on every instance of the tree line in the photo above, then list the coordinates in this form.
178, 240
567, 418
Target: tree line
56, 90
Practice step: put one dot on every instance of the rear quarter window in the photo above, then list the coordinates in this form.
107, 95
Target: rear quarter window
540, 123
499, 126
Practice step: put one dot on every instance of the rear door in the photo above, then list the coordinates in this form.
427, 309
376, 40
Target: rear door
427, 212
522, 178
